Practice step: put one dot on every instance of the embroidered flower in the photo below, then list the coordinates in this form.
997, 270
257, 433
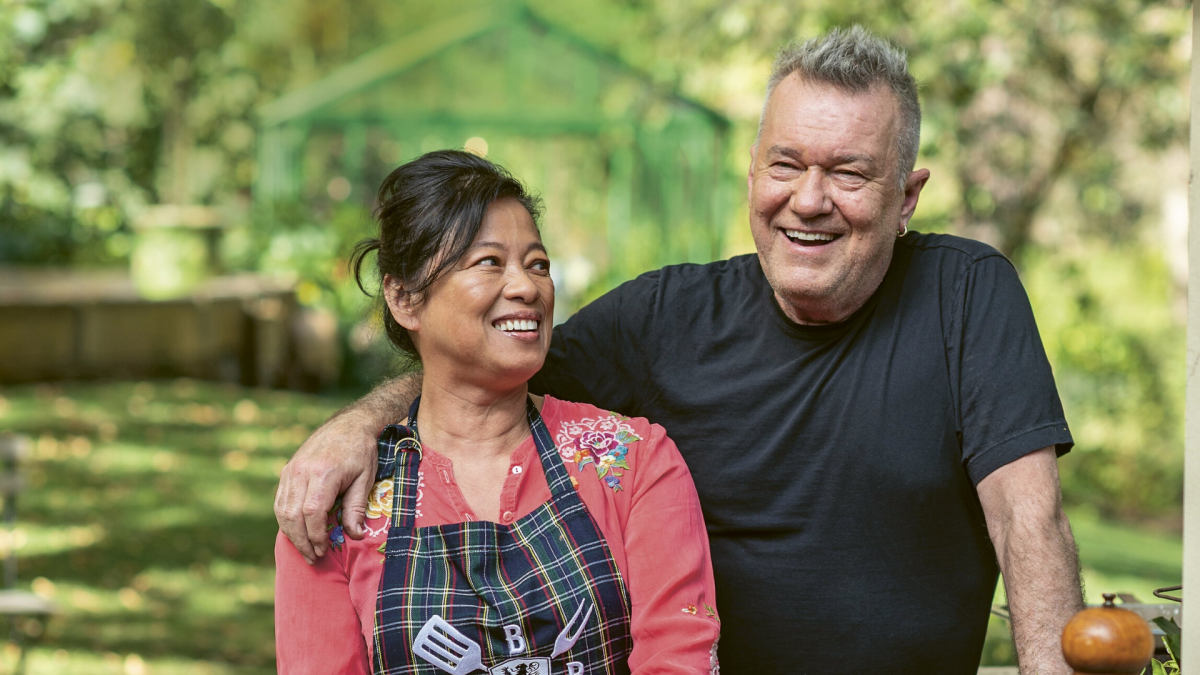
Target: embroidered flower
379, 504
599, 442
602, 442
714, 666
689, 609
337, 537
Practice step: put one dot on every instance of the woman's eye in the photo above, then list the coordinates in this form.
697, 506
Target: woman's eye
491, 260
541, 265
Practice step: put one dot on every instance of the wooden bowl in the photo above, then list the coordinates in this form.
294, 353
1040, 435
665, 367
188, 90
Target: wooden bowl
1107, 640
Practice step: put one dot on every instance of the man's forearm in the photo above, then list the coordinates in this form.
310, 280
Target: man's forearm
386, 404
1040, 565
1022, 502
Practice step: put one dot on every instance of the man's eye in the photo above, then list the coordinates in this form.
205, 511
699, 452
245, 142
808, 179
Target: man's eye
541, 265
490, 260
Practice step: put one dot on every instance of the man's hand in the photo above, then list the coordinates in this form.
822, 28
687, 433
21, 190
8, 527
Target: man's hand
339, 458
1022, 503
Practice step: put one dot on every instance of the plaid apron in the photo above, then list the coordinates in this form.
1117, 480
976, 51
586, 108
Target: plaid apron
542, 596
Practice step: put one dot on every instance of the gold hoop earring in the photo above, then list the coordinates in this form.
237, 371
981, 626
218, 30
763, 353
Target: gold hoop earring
903, 232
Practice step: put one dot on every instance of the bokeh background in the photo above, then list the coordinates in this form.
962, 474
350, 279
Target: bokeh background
181, 182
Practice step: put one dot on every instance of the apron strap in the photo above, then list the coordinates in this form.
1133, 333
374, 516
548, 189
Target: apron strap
403, 445
556, 473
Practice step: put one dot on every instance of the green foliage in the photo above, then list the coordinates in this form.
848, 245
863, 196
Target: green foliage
1173, 639
1117, 344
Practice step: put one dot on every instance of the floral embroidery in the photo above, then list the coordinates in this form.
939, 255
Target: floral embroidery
690, 609
337, 536
711, 612
380, 501
602, 442
714, 666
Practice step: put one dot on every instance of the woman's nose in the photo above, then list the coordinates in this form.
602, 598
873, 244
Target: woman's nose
520, 285
809, 196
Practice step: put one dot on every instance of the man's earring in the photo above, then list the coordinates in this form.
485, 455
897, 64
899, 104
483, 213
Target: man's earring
903, 232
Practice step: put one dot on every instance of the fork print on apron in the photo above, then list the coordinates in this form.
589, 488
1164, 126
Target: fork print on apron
542, 596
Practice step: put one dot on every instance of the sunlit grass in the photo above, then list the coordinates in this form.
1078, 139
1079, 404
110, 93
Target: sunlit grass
147, 519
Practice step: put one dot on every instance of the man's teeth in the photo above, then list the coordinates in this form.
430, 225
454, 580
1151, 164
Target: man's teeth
516, 325
809, 236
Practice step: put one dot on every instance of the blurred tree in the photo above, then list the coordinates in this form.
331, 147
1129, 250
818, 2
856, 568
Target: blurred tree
1018, 97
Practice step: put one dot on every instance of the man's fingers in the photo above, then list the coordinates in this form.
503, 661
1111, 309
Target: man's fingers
316, 517
289, 500
354, 505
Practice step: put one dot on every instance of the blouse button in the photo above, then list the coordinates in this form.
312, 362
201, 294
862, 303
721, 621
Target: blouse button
507, 516
517, 470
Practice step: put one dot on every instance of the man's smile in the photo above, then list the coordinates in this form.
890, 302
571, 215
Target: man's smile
810, 239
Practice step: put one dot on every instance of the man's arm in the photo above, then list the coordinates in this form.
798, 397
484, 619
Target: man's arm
1023, 507
339, 457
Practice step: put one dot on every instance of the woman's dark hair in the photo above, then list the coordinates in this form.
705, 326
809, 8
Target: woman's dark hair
429, 212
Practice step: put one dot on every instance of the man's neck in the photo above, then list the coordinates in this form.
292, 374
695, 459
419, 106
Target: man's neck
468, 422
808, 315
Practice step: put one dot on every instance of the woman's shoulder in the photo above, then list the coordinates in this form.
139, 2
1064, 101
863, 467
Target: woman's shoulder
591, 438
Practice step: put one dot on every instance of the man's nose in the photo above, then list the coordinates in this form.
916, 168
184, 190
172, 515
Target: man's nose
809, 195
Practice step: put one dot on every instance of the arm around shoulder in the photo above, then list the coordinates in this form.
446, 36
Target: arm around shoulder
340, 457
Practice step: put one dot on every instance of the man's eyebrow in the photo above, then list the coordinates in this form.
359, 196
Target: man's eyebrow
850, 158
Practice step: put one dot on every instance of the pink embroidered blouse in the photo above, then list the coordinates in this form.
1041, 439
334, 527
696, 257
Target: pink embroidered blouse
632, 480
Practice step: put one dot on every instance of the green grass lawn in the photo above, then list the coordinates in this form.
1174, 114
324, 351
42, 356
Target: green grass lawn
148, 519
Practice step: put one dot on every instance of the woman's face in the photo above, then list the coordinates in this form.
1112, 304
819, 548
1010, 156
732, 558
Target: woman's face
488, 319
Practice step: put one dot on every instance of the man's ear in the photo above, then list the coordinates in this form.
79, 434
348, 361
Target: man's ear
912, 192
399, 303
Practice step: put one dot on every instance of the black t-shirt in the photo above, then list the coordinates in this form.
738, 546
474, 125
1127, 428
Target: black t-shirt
836, 465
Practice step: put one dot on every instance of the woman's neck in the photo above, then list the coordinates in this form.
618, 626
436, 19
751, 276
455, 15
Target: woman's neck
464, 422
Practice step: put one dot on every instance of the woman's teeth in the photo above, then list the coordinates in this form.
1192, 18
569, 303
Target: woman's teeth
515, 325
809, 236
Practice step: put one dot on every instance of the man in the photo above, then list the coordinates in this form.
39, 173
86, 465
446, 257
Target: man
869, 417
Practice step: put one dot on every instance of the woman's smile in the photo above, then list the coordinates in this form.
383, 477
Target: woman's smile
520, 326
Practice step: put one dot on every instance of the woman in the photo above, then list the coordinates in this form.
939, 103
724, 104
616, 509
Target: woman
510, 534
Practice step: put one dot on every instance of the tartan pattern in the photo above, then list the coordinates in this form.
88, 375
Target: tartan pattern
480, 576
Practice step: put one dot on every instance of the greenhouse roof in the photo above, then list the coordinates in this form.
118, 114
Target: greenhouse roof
328, 97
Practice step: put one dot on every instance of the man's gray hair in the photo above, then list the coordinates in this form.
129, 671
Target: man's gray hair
855, 60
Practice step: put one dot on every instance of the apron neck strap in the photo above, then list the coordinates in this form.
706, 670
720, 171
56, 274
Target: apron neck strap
404, 443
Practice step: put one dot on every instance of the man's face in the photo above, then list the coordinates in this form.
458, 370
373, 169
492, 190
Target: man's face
825, 200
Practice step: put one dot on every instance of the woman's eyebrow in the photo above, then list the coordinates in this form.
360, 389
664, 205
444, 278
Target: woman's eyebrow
535, 246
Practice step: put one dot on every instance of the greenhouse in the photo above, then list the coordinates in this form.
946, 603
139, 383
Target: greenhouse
631, 174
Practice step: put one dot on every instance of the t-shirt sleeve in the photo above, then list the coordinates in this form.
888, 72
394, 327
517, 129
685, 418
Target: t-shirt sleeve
1008, 404
674, 623
317, 631
598, 356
